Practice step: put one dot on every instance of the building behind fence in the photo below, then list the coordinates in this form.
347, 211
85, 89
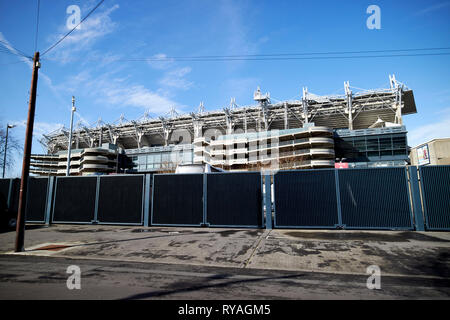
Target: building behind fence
367, 127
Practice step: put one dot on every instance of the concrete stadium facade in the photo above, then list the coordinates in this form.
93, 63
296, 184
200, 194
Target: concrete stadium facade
210, 131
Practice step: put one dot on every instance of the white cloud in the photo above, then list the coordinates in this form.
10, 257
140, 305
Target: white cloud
162, 62
39, 127
116, 91
95, 27
55, 90
8, 45
237, 40
438, 129
432, 8
106, 87
138, 96
175, 79
239, 33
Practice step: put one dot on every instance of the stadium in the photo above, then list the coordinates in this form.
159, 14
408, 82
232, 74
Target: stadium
361, 128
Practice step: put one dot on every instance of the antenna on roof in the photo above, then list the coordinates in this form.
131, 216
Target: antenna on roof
233, 103
121, 119
393, 81
261, 98
201, 108
173, 113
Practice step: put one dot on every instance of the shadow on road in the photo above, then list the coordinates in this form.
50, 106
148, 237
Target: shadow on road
183, 289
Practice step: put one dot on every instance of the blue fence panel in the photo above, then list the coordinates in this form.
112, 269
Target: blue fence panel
435, 183
75, 199
177, 200
121, 199
37, 193
375, 198
234, 199
305, 199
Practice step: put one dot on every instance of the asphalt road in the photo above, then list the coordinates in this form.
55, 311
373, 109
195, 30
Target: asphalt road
39, 277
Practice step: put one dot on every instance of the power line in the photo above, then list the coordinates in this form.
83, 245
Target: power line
305, 53
295, 56
37, 26
283, 58
9, 52
68, 33
18, 52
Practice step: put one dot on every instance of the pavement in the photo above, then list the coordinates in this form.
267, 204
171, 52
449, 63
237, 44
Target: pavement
199, 263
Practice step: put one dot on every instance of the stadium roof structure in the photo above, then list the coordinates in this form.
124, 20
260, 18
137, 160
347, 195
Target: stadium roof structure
352, 110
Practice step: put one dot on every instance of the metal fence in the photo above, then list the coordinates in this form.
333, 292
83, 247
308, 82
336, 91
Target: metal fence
210, 199
396, 198
120, 199
234, 200
305, 199
435, 186
177, 200
75, 200
37, 199
375, 198
117, 199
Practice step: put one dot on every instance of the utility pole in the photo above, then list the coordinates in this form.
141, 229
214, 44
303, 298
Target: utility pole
20, 228
69, 148
8, 126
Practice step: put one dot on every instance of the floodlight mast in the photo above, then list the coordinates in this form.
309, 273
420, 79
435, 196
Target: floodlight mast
69, 148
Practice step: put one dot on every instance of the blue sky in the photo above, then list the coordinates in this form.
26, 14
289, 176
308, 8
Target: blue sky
85, 63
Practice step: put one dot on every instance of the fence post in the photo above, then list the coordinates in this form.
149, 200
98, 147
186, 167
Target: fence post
97, 195
205, 200
147, 199
152, 198
338, 199
415, 196
48, 207
268, 200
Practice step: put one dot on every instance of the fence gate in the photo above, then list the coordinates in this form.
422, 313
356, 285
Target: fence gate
177, 200
234, 200
74, 200
120, 199
375, 198
305, 199
435, 184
